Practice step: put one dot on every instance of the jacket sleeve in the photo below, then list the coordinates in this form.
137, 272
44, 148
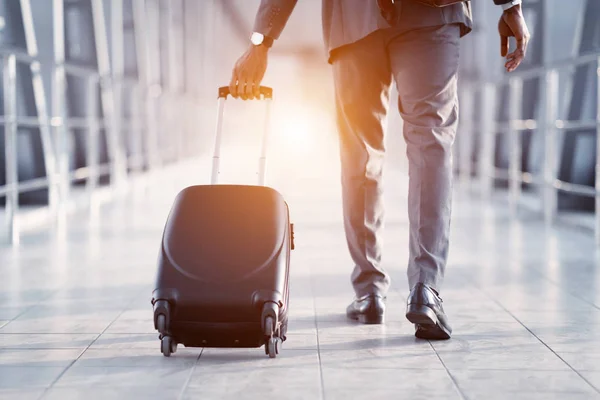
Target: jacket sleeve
272, 16
500, 2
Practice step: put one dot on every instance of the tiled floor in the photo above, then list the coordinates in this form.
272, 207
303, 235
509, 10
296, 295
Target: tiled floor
76, 319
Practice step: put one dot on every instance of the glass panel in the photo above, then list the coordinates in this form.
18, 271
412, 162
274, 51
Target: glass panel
565, 18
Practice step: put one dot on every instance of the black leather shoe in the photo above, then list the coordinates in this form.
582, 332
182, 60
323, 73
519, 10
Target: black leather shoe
425, 310
367, 309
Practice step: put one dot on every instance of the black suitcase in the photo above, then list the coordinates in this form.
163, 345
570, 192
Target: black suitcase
223, 267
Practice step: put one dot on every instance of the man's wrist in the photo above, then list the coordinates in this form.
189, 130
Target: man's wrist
512, 4
260, 40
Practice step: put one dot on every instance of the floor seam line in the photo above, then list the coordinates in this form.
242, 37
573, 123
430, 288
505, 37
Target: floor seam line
186, 384
318, 341
561, 288
84, 350
534, 335
28, 309
454, 382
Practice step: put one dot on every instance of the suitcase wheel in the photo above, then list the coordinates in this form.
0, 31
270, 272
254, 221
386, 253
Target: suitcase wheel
270, 319
168, 346
272, 347
273, 343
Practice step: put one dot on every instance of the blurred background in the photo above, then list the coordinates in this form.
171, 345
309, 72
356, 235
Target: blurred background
96, 95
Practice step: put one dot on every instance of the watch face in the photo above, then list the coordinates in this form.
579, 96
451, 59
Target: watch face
257, 38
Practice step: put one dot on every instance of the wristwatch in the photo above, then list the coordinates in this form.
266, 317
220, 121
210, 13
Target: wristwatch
511, 4
259, 39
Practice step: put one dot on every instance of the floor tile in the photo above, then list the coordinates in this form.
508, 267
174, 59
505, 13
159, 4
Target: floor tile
587, 360
380, 390
38, 357
569, 338
302, 325
19, 377
11, 312
334, 341
541, 319
108, 391
62, 325
502, 395
172, 376
139, 326
214, 359
476, 382
537, 358
21, 394
352, 328
390, 382
296, 382
45, 341
381, 357
300, 341
137, 357
127, 341
593, 377
243, 373
491, 341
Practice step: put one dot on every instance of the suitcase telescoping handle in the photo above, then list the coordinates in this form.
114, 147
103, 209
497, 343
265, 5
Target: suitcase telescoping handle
267, 96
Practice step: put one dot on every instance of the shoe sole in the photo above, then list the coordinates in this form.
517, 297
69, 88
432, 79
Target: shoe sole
369, 320
428, 324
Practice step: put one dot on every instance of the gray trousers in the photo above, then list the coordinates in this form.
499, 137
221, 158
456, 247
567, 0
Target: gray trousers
424, 64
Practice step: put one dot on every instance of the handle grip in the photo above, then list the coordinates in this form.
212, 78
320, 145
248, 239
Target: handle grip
265, 91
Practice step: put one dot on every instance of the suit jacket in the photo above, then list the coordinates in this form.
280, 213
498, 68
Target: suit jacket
347, 21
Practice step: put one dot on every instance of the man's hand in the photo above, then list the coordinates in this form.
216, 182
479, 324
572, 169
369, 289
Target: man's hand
512, 23
248, 73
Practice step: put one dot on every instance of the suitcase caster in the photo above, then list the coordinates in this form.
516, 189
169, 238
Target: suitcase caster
168, 346
270, 317
273, 347
273, 343
161, 324
162, 316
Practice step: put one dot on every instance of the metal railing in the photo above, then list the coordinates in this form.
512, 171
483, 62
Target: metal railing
148, 101
548, 124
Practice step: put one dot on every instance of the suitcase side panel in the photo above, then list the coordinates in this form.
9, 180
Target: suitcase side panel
226, 314
219, 234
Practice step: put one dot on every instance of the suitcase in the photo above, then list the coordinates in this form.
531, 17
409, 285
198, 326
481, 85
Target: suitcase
223, 265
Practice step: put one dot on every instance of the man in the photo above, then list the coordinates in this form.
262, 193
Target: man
370, 43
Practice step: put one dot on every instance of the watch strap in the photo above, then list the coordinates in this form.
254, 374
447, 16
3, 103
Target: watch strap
511, 4
268, 41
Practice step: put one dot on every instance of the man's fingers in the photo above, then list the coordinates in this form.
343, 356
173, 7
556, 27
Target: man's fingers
515, 54
257, 80
256, 89
514, 59
241, 89
503, 45
511, 65
249, 89
233, 84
